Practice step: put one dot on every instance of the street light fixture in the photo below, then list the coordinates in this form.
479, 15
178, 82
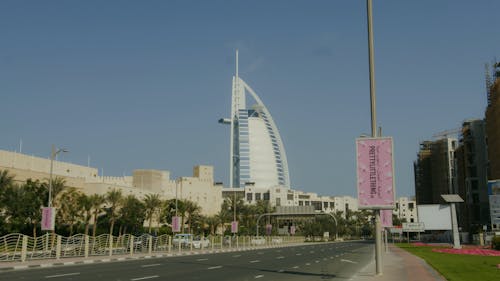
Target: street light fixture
53, 154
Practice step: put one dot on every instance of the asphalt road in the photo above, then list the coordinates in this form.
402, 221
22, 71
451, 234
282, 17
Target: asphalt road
324, 261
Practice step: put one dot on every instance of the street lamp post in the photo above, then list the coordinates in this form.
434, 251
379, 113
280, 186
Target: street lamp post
53, 154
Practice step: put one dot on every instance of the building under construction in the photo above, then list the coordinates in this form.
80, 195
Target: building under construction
493, 121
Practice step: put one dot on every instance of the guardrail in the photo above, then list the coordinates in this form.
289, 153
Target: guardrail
19, 248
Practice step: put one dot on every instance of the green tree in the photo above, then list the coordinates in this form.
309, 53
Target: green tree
6, 182
70, 211
152, 204
114, 199
193, 211
85, 203
97, 208
132, 214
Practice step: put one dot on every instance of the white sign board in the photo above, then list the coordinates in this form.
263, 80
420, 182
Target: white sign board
435, 216
413, 227
395, 230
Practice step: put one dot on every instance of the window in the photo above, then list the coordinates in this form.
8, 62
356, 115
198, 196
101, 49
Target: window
289, 196
307, 203
249, 197
325, 205
278, 201
301, 203
266, 196
257, 196
410, 206
332, 205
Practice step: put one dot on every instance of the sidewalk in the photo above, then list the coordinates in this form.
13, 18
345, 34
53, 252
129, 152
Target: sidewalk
399, 265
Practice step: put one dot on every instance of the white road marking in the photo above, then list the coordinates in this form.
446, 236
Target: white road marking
281, 270
150, 265
214, 267
146, 277
311, 252
316, 261
236, 256
202, 260
259, 276
280, 257
299, 254
343, 260
62, 275
254, 261
308, 264
296, 267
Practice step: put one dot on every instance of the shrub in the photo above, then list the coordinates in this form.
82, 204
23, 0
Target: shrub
495, 243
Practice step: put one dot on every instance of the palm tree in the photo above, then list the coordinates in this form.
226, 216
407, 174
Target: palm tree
85, 204
132, 215
114, 200
97, 207
152, 203
70, 209
192, 210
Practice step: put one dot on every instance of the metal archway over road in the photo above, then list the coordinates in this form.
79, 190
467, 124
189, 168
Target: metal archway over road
296, 211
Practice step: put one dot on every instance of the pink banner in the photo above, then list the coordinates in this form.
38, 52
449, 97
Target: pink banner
386, 218
292, 230
48, 218
269, 228
234, 227
176, 224
375, 173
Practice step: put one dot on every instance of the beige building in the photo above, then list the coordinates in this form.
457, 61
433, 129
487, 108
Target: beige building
406, 209
199, 188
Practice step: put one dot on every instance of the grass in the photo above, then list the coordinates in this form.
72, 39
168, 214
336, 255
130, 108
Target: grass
458, 267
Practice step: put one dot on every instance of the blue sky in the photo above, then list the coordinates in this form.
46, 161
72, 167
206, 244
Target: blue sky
141, 84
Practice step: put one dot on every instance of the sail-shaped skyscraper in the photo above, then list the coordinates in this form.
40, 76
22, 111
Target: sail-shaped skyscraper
257, 154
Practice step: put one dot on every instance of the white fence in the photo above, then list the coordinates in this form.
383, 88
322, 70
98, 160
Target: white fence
19, 247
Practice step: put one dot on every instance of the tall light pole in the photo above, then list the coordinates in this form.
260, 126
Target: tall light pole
378, 228
53, 155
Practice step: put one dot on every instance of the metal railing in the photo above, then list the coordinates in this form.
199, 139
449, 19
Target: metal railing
19, 248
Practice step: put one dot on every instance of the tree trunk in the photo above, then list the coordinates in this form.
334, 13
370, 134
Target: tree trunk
94, 227
111, 228
86, 228
150, 222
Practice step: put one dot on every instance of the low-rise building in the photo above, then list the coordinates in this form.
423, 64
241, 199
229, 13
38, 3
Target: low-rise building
199, 188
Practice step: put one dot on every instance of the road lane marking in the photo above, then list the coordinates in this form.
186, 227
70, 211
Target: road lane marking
296, 267
202, 260
299, 254
259, 276
62, 275
308, 264
343, 260
236, 256
215, 267
281, 270
280, 257
254, 261
316, 261
150, 265
144, 278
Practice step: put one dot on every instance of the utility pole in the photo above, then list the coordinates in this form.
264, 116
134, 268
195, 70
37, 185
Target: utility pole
378, 228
